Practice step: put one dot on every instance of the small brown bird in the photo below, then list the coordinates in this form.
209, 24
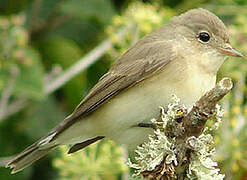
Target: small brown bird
180, 58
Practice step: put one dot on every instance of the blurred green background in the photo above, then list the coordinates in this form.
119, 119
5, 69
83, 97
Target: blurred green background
40, 40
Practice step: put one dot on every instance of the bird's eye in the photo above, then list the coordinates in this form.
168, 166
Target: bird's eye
204, 36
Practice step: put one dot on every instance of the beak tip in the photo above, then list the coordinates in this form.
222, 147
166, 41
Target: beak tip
236, 53
231, 52
239, 55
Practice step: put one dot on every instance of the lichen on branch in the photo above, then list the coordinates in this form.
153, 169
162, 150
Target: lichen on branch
182, 147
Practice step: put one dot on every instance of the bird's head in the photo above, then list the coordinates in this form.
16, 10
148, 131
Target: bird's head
205, 35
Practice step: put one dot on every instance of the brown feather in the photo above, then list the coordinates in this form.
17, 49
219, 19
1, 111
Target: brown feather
140, 62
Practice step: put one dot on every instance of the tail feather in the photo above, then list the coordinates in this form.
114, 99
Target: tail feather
40, 149
27, 157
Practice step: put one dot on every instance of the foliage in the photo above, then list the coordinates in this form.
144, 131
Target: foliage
144, 18
97, 161
19, 60
41, 38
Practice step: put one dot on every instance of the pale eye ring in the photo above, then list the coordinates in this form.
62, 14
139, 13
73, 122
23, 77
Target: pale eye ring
204, 37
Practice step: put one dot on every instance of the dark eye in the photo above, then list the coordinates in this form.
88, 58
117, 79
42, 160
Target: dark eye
204, 36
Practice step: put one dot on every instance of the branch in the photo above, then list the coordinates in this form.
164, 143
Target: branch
71, 72
82, 64
180, 147
14, 107
194, 122
203, 109
8, 91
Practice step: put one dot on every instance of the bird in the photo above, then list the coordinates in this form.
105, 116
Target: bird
181, 58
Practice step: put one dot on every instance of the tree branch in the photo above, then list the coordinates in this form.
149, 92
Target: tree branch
179, 144
194, 122
71, 72
82, 64
8, 91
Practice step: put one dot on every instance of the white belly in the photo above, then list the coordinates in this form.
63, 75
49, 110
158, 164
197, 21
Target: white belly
116, 118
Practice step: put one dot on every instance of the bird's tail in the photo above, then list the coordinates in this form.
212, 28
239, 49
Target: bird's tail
28, 156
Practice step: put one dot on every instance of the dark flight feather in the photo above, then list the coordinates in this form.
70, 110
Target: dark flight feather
84, 144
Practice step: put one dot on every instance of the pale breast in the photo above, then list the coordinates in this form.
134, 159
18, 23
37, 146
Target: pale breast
141, 102
117, 117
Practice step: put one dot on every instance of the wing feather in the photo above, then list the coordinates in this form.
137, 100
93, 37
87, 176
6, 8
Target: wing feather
137, 64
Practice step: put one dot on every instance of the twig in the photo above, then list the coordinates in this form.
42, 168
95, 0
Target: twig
82, 64
15, 107
193, 125
194, 122
71, 72
7, 91
78, 67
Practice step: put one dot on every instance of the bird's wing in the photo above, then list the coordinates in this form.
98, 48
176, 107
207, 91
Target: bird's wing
138, 63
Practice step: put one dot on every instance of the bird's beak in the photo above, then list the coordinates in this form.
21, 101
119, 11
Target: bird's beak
230, 51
